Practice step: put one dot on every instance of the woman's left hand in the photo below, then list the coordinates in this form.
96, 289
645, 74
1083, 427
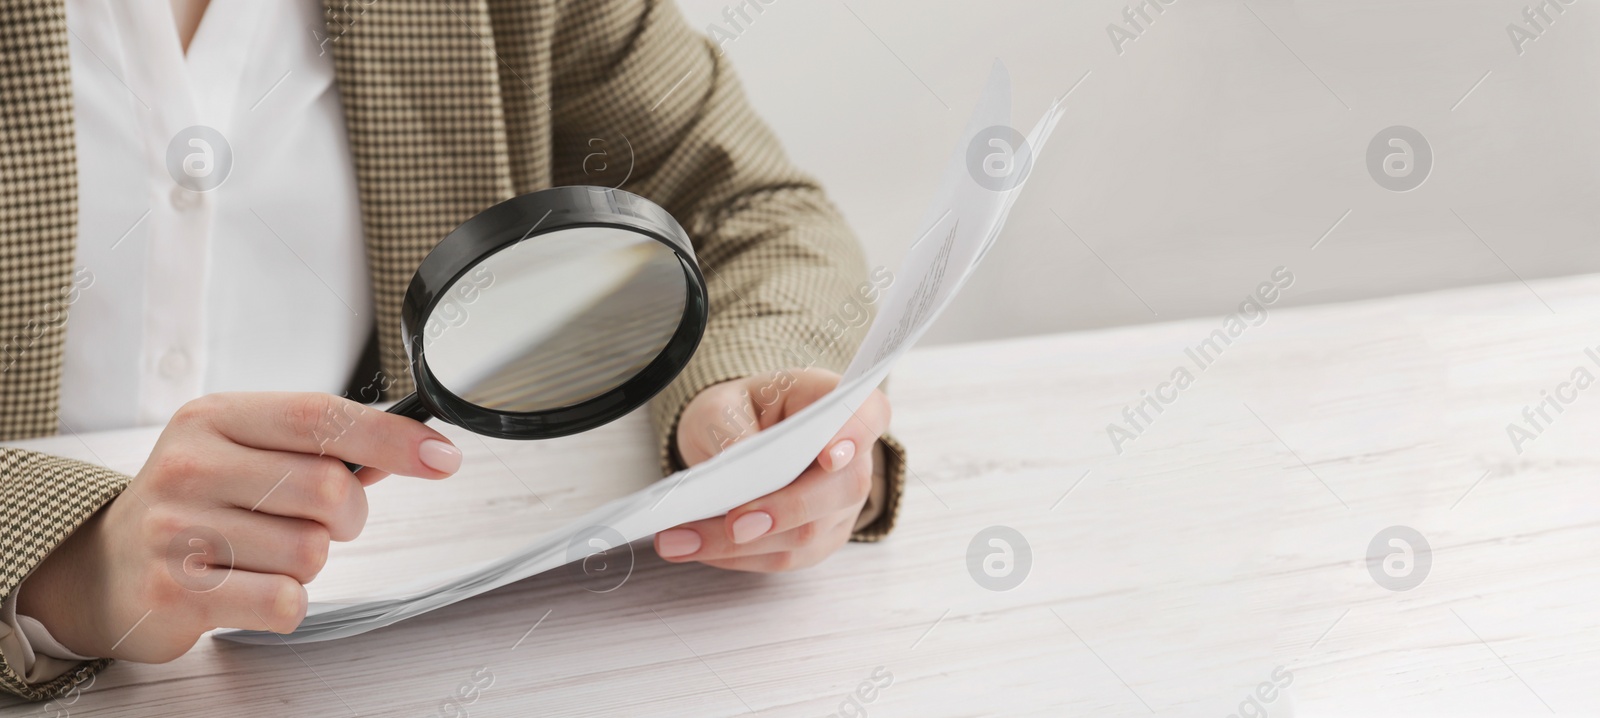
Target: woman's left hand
800, 524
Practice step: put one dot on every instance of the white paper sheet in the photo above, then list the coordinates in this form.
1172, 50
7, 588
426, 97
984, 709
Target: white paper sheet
962, 223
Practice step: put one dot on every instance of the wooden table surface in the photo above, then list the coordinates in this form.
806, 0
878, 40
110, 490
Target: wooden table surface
1226, 546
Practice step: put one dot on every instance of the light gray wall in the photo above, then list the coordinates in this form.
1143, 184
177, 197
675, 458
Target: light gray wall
1223, 142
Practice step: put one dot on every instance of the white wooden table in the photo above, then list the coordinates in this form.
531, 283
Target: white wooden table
1229, 539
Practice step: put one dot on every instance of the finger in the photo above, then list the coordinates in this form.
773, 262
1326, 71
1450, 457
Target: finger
816, 494
858, 434
369, 476
315, 488
310, 423
255, 601
803, 557
684, 542
709, 541
261, 543
181, 610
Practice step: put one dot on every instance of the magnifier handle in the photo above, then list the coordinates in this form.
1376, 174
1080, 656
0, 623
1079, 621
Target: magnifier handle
412, 407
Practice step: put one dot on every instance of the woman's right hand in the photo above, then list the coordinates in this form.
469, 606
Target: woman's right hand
229, 518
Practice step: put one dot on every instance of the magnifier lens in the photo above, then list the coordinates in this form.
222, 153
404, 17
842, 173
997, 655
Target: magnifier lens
551, 313
556, 319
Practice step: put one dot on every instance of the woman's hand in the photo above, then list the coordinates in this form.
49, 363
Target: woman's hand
230, 516
800, 524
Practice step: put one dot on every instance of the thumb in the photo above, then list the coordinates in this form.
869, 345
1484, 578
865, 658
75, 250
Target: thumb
720, 416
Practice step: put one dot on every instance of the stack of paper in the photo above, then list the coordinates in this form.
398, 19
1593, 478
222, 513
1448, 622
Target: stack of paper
979, 186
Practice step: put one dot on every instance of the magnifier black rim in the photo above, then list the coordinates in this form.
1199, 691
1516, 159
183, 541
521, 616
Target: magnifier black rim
493, 231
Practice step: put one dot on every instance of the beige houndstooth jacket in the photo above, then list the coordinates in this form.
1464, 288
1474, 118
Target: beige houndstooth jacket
451, 106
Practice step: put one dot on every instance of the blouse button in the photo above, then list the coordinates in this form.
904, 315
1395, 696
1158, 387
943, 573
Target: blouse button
185, 199
174, 364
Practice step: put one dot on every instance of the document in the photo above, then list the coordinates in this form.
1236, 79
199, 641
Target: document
980, 184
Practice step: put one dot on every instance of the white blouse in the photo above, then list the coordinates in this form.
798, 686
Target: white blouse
258, 281
219, 234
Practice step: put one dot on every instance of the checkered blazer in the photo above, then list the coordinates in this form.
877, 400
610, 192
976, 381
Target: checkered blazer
450, 107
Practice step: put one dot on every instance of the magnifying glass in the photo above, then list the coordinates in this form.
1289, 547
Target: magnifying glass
551, 313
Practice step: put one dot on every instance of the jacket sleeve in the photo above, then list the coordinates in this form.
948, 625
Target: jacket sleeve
782, 268
43, 499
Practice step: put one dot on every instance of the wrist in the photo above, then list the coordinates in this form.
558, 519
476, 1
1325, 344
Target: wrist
876, 496
61, 590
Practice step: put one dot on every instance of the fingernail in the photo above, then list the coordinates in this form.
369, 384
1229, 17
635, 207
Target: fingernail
751, 526
440, 456
841, 454
286, 608
673, 543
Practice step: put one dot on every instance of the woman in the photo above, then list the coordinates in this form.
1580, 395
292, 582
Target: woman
192, 181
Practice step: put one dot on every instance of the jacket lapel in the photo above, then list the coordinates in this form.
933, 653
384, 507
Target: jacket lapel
38, 212
420, 86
